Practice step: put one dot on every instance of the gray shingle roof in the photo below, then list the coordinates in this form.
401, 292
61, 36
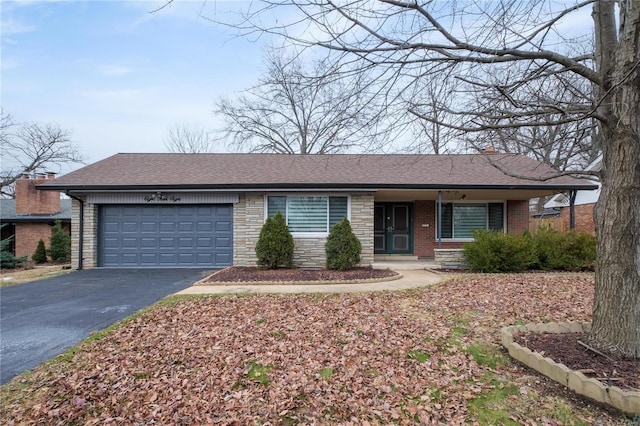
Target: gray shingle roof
8, 212
255, 171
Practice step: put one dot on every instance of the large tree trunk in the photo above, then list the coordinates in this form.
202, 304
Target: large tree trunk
616, 310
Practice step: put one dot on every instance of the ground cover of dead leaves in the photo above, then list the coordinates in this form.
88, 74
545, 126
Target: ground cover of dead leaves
382, 358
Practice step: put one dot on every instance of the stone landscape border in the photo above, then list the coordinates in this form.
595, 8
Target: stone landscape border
625, 401
204, 281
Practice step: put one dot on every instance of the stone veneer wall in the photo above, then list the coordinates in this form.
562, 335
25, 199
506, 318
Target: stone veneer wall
248, 218
90, 235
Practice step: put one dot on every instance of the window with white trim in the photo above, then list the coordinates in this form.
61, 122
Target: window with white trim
309, 213
460, 219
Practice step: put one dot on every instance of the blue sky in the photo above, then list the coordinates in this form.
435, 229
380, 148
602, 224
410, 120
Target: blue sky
117, 76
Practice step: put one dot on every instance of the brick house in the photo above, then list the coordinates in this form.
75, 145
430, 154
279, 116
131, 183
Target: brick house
30, 216
584, 204
206, 210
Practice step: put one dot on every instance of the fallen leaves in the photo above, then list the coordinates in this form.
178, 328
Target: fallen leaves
341, 359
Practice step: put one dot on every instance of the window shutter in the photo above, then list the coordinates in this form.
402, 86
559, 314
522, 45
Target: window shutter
496, 216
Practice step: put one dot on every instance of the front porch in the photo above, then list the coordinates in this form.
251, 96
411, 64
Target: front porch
420, 223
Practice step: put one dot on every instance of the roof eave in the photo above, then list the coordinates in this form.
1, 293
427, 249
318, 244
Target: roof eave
324, 186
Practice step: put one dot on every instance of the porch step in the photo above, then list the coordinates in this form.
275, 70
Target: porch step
393, 257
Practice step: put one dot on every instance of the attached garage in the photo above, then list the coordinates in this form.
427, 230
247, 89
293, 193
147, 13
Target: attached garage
165, 235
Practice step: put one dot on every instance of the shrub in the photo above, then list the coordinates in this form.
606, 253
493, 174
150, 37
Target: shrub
60, 244
343, 247
498, 252
275, 244
40, 256
570, 251
9, 261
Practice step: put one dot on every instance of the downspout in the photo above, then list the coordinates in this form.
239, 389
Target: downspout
572, 210
80, 228
439, 224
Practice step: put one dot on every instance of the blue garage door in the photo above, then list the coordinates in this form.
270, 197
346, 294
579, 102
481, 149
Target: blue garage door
166, 236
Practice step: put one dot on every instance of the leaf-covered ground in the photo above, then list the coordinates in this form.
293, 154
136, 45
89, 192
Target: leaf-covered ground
427, 356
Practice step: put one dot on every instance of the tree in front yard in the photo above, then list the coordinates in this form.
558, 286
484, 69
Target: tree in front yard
40, 255
60, 244
275, 244
343, 247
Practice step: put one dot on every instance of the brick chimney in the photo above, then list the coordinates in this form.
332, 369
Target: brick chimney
29, 200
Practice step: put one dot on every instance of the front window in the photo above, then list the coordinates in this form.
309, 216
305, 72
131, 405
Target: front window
460, 219
309, 213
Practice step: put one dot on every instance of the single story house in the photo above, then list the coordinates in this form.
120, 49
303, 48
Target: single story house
30, 216
206, 210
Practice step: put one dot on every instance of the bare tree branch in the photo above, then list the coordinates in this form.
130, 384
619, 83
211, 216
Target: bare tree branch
32, 147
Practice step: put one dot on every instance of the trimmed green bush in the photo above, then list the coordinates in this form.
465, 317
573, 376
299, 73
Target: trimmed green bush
40, 256
9, 261
494, 251
60, 244
572, 251
275, 244
343, 247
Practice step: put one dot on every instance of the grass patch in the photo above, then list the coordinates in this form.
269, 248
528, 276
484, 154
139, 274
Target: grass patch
489, 409
259, 373
419, 356
488, 356
278, 334
326, 372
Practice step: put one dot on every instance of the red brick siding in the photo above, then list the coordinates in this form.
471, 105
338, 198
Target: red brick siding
517, 216
28, 235
31, 201
584, 218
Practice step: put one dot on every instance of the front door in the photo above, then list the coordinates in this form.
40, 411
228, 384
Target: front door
393, 228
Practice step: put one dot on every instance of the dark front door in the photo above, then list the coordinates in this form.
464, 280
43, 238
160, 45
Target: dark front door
393, 228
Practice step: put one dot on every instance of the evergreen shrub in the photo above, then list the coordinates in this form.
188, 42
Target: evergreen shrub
342, 247
570, 251
275, 244
494, 251
60, 244
40, 256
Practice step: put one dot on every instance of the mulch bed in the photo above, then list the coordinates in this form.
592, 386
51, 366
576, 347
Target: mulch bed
252, 274
564, 348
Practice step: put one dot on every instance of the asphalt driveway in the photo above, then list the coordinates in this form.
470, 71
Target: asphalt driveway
41, 319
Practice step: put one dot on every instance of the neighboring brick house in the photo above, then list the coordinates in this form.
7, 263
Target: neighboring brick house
206, 210
31, 215
584, 204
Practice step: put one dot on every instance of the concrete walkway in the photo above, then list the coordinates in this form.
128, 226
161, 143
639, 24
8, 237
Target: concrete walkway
411, 278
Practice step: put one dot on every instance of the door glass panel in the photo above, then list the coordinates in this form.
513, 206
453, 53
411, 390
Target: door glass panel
400, 242
379, 242
378, 218
401, 218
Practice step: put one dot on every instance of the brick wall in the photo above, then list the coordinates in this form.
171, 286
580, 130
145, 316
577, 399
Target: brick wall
517, 216
248, 218
29, 200
28, 235
584, 218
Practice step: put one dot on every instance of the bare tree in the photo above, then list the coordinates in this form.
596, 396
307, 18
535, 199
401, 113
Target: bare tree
188, 139
294, 110
31, 147
499, 47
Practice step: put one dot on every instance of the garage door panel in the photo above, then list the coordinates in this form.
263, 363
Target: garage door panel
147, 236
223, 226
223, 243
